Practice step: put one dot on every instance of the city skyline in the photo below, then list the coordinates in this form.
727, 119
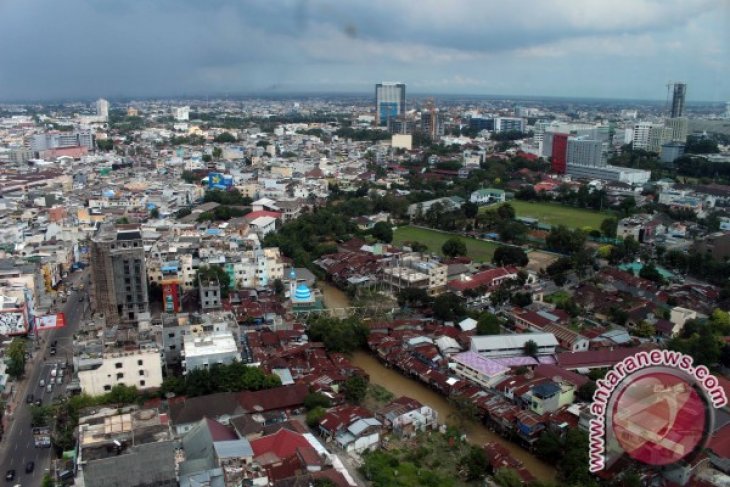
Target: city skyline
616, 50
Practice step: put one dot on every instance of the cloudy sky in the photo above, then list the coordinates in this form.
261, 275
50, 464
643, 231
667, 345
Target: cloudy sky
51, 49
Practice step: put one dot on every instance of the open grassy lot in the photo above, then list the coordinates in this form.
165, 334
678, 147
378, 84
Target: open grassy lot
478, 250
556, 214
430, 459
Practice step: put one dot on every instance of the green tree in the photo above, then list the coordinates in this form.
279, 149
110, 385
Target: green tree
608, 227
531, 348
278, 287
448, 306
217, 152
650, 272
189, 177
383, 232
586, 391
475, 463
507, 477
122, 221
566, 241
644, 330
356, 387
315, 400
338, 335
40, 415
507, 255
488, 324
224, 138
506, 212
470, 209
16, 357
207, 158
549, 447
453, 247
47, 481
314, 416
154, 213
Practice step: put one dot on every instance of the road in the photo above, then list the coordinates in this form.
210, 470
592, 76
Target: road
17, 448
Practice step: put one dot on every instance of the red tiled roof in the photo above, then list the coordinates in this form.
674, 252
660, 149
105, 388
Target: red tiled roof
484, 278
283, 444
595, 358
255, 214
551, 371
218, 432
283, 397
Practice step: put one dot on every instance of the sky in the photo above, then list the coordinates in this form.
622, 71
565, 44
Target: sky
630, 49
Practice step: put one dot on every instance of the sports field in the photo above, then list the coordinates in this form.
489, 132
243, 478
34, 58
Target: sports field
555, 214
478, 250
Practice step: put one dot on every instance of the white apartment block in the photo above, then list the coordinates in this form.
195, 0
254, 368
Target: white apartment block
138, 368
203, 351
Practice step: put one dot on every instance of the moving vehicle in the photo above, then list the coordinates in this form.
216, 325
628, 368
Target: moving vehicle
42, 383
10, 475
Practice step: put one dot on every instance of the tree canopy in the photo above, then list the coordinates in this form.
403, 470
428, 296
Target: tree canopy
508, 255
454, 247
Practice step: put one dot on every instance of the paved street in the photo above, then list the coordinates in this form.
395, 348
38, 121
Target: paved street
17, 448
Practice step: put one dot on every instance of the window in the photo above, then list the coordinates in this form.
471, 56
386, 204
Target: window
141, 372
172, 347
120, 376
107, 388
141, 383
140, 362
118, 365
171, 335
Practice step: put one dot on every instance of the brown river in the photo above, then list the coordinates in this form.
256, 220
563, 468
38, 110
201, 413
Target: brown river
401, 385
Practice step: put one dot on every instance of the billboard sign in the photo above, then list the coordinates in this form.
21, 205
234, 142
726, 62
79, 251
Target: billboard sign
50, 322
217, 180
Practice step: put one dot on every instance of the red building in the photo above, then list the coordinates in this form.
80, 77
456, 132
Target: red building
559, 153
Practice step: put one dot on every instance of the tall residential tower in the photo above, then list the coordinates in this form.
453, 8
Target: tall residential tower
390, 101
119, 274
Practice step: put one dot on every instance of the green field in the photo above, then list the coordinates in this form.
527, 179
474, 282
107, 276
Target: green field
478, 250
555, 214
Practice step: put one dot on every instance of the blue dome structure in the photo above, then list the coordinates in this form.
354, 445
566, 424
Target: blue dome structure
292, 274
302, 293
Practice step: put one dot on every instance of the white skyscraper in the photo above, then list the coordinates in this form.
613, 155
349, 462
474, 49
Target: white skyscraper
181, 114
102, 108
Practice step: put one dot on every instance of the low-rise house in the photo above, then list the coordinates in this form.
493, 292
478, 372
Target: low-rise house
353, 428
493, 346
478, 369
406, 417
567, 338
487, 196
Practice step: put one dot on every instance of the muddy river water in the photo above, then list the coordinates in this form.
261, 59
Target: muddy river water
401, 385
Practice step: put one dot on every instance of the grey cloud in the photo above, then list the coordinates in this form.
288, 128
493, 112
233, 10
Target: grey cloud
89, 48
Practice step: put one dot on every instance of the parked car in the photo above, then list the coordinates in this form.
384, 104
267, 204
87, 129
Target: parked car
42, 383
29, 467
29, 399
38, 402
49, 387
10, 475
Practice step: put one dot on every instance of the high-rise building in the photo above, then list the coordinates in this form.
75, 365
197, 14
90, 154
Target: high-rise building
181, 114
679, 127
102, 108
431, 124
679, 90
60, 140
390, 101
509, 124
584, 151
558, 151
119, 274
